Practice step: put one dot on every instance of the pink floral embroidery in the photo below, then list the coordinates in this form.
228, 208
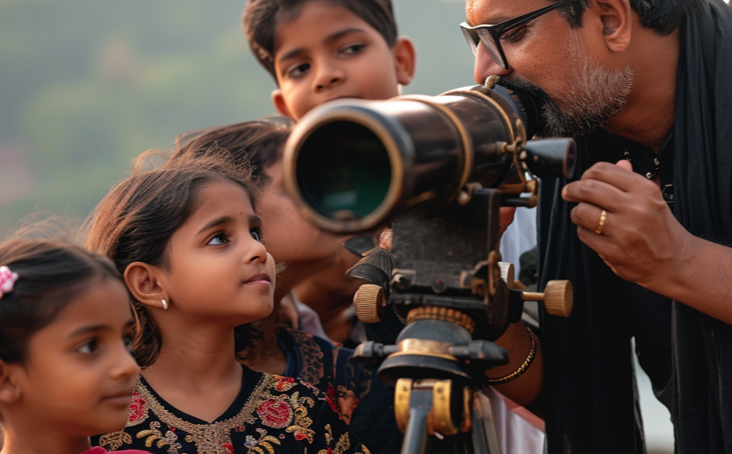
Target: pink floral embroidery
284, 383
275, 413
138, 409
330, 397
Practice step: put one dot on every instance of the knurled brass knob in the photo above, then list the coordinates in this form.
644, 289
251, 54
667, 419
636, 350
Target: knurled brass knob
370, 303
559, 298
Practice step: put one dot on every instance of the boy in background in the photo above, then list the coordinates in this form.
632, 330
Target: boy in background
318, 51
321, 50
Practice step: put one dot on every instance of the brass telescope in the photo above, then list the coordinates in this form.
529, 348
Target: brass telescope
353, 165
435, 169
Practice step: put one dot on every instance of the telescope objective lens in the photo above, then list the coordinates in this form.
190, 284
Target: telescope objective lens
355, 181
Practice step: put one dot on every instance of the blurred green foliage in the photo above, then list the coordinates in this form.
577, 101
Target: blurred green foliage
86, 85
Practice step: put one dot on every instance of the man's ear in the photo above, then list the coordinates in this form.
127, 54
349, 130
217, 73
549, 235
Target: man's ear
405, 58
279, 102
144, 283
616, 18
9, 389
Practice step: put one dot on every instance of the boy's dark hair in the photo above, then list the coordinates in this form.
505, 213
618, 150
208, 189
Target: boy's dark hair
261, 18
135, 221
661, 16
258, 143
51, 274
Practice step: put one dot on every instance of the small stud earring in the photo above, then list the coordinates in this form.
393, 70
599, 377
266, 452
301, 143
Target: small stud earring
165, 304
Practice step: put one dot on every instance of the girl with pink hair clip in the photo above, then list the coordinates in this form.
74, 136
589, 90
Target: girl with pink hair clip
66, 372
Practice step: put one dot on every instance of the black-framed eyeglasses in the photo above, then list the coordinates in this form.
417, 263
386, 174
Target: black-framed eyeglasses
490, 35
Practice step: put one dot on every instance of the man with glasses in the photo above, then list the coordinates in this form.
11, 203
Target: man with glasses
644, 229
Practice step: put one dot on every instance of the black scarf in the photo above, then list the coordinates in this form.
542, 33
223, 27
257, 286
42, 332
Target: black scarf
589, 398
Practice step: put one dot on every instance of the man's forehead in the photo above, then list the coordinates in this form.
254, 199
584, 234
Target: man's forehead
495, 11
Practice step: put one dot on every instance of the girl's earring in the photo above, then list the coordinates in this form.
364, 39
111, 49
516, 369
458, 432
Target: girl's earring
165, 304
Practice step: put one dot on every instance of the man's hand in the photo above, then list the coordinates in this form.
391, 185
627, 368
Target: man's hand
640, 238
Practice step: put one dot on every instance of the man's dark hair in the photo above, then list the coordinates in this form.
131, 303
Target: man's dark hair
661, 16
261, 18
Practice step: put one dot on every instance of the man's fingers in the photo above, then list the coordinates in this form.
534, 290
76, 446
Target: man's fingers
625, 164
618, 175
595, 192
592, 219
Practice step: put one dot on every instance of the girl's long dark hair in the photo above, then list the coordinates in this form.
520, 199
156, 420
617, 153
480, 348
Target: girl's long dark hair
136, 219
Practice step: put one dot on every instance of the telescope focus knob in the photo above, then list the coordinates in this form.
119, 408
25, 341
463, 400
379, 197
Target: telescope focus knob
370, 303
558, 298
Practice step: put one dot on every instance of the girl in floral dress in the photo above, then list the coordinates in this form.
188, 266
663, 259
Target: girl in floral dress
363, 401
65, 368
186, 237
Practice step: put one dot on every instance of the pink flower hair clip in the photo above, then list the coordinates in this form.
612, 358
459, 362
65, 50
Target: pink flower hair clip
7, 280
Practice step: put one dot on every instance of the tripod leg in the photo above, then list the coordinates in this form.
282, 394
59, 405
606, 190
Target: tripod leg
415, 438
485, 438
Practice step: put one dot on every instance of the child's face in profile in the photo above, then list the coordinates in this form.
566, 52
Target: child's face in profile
326, 52
79, 376
304, 248
217, 270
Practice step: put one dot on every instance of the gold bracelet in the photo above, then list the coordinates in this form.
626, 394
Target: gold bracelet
522, 368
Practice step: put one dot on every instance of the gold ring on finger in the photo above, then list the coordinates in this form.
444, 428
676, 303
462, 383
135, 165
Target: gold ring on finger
601, 224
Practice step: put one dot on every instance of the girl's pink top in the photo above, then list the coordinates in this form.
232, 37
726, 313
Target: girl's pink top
100, 450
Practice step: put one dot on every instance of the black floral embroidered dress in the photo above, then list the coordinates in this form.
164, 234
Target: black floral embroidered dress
271, 414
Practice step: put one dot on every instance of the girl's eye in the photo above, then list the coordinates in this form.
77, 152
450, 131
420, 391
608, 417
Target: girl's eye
515, 35
256, 234
298, 71
218, 239
353, 48
89, 347
127, 339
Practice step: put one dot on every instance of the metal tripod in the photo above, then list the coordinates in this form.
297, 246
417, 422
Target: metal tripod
444, 279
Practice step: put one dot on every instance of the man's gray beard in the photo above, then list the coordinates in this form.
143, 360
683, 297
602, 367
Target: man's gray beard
595, 95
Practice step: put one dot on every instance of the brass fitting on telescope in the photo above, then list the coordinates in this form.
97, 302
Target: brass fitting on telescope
441, 313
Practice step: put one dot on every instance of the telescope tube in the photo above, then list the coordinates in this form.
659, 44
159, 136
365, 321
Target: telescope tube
353, 165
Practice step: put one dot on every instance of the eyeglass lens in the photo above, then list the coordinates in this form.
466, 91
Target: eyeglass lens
475, 36
490, 45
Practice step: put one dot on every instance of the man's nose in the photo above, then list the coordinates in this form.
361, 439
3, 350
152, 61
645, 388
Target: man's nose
485, 66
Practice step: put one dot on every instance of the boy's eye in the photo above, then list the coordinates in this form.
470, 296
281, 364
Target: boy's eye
299, 70
89, 347
218, 239
353, 48
256, 234
515, 35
